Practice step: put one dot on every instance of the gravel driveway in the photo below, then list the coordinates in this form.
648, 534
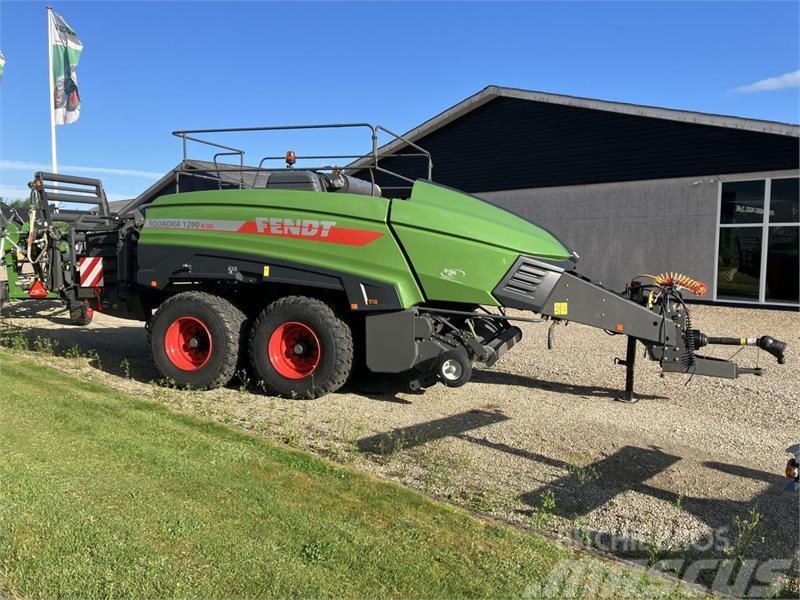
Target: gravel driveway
694, 470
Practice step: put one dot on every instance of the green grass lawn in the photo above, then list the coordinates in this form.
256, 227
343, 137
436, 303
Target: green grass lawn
103, 494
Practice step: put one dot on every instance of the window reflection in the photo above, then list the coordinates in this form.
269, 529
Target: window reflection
739, 263
742, 202
784, 206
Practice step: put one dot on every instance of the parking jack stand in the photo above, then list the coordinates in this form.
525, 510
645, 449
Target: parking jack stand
629, 363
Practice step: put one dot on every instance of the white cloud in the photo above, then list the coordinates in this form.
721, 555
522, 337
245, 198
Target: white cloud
781, 82
9, 193
19, 165
13, 193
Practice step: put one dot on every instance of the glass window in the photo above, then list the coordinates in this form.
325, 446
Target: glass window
783, 266
739, 263
783, 203
742, 202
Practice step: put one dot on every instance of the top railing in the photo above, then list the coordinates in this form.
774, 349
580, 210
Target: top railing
69, 198
359, 162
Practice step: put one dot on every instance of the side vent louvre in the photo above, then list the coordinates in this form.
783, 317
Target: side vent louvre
527, 284
525, 280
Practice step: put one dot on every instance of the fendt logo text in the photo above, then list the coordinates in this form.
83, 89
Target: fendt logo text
294, 227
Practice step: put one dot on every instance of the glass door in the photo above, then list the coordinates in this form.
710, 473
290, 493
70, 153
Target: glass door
783, 242
757, 254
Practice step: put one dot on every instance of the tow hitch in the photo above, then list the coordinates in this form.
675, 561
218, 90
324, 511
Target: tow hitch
651, 311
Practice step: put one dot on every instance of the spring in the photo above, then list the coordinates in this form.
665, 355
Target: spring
678, 280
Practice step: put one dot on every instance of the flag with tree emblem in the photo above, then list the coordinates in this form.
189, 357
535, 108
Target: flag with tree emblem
66, 50
2, 65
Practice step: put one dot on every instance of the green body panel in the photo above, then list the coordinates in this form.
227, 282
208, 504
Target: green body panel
461, 246
380, 260
452, 269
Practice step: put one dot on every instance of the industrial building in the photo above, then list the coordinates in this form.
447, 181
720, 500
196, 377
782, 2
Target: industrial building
634, 189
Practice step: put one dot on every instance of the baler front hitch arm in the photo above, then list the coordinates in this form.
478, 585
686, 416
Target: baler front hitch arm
660, 320
653, 313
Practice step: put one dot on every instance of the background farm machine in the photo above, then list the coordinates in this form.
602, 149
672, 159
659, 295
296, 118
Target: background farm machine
302, 271
38, 246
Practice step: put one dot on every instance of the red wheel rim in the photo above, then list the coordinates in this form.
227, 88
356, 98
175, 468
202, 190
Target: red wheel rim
294, 350
188, 343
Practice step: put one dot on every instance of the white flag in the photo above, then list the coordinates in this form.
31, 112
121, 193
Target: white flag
66, 49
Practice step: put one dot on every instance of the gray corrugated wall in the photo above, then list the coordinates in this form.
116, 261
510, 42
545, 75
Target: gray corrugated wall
623, 229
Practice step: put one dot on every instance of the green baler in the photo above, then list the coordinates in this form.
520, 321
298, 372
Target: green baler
300, 272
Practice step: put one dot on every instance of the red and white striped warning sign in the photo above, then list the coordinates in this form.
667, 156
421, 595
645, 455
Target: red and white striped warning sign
91, 271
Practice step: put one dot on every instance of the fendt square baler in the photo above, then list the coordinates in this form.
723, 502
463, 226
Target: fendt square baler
301, 272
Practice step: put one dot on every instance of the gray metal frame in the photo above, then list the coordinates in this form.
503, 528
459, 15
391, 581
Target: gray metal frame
369, 162
82, 190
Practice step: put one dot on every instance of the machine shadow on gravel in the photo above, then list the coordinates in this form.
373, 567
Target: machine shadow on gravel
51, 310
570, 389
119, 351
589, 488
389, 387
386, 388
405, 438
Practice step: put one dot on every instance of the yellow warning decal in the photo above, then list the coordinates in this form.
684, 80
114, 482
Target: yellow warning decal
266, 270
560, 308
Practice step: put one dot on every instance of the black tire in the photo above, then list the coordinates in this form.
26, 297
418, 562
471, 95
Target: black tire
81, 315
322, 371
220, 332
454, 368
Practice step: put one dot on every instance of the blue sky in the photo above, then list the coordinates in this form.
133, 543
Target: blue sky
150, 67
